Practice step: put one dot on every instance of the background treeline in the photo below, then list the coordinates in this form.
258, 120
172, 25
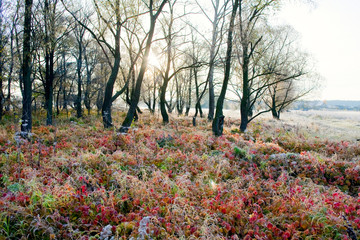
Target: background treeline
167, 55
327, 105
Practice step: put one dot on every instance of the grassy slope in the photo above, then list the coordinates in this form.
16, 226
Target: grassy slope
77, 181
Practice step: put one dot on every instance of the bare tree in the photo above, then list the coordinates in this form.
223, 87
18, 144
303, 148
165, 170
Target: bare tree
2, 57
26, 124
169, 37
49, 34
181, 88
79, 32
111, 15
133, 42
91, 61
217, 22
293, 77
154, 13
271, 72
63, 70
15, 56
249, 17
189, 92
172, 62
151, 87
196, 55
217, 124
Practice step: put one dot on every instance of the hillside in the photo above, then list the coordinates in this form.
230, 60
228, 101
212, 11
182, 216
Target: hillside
78, 181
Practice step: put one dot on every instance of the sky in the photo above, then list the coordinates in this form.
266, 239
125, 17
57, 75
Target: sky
330, 31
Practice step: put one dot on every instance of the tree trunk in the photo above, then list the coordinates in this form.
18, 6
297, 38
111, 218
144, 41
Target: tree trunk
64, 99
188, 105
179, 98
58, 99
197, 104
212, 63
87, 100
106, 107
2, 97
197, 110
62, 85
49, 63
154, 99
79, 79
49, 82
244, 105
211, 99
163, 111
275, 114
163, 88
217, 124
26, 124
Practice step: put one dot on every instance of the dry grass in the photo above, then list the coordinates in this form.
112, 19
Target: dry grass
332, 125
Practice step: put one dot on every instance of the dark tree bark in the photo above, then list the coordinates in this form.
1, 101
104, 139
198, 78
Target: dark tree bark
163, 88
273, 106
106, 107
215, 26
79, 84
65, 100
90, 65
80, 35
166, 78
2, 97
51, 29
49, 63
244, 105
26, 124
217, 124
62, 81
79, 32
114, 25
249, 41
100, 92
49, 85
188, 103
219, 13
283, 93
199, 96
136, 94
150, 98
180, 102
87, 99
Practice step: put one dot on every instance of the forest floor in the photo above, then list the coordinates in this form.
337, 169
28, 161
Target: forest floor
280, 180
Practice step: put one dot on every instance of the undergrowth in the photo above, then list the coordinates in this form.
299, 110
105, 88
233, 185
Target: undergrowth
76, 180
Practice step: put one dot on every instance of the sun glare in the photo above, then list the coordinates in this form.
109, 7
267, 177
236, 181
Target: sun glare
154, 60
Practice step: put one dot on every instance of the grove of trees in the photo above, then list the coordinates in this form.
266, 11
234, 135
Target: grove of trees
174, 55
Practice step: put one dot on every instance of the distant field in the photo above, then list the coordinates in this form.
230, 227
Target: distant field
335, 125
332, 125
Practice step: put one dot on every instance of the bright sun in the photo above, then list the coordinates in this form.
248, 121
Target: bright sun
154, 60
